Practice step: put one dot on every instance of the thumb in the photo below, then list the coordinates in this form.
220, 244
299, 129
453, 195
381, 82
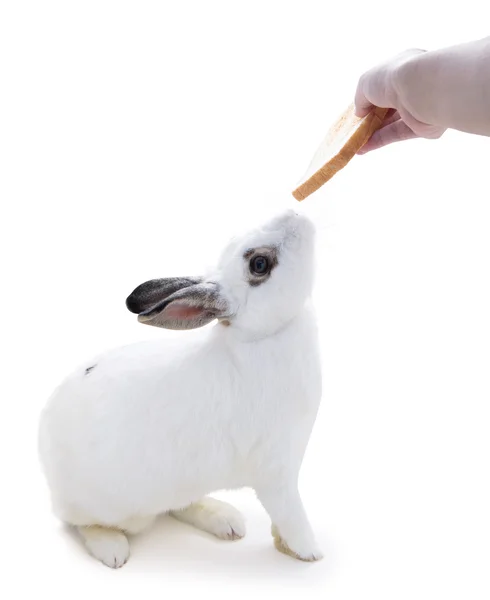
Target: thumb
394, 132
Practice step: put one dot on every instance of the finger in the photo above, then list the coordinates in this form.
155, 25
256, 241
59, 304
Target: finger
371, 92
362, 106
391, 116
394, 132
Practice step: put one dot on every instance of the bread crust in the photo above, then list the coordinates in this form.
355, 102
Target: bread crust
357, 132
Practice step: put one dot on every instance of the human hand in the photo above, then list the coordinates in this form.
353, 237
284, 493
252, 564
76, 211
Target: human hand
380, 87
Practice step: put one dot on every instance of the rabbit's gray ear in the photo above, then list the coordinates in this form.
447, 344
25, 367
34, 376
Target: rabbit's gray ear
153, 292
188, 308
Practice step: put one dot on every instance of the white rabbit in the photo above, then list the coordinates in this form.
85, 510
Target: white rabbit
154, 427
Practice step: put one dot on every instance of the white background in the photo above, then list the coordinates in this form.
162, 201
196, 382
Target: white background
134, 138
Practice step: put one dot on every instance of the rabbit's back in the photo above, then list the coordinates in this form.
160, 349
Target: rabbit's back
134, 426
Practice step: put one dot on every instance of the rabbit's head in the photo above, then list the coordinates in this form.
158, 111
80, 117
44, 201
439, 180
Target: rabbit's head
261, 282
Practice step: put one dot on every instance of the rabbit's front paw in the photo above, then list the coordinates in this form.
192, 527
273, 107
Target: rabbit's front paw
299, 547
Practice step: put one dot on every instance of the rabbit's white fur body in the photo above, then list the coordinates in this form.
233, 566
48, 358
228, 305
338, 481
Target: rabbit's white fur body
155, 426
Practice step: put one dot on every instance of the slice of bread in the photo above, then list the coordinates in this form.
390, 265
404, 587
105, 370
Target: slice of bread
344, 139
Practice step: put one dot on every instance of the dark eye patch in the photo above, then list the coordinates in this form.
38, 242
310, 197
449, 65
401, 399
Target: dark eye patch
260, 264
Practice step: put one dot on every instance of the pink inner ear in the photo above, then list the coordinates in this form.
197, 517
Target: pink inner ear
182, 312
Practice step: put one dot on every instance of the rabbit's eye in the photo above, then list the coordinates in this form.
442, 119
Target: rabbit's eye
259, 265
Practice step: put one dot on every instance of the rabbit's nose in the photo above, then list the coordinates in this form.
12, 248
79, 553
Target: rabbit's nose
289, 215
